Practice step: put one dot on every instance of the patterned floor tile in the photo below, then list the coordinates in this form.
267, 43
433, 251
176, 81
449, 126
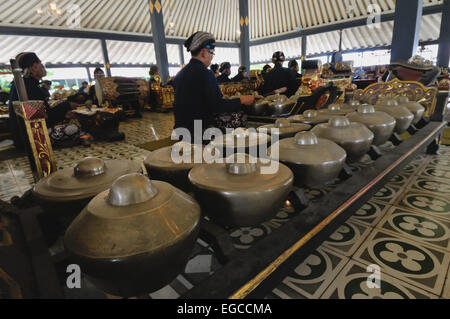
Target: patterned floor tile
431, 171
401, 180
412, 167
388, 194
430, 185
426, 203
245, 237
311, 278
370, 213
440, 162
355, 282
416, 263
418, 227
347, 239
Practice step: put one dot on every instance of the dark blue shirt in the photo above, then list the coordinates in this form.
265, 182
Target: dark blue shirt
198, 97
223, 78
277, 78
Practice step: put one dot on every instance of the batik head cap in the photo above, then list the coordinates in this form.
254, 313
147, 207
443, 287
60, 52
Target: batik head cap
200, 40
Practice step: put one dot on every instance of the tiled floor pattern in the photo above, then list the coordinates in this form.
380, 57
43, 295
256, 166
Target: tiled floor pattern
402, 234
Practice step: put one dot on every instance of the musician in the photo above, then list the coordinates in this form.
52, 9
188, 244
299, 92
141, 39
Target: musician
266, 69
293, 65
215, 69
241, 76
33, 72
84, 88
98, 74
225, 71
197, 94
279, 80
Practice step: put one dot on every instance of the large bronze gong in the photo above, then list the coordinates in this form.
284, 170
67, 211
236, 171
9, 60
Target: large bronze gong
64, 194
161, 166
136, 237
239, 193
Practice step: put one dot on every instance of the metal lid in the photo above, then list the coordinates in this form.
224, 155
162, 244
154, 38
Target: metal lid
285, 128
389, 102
310, 117
354, 103
131, 189
306, 148
402, 99
339, 122
248, 166
413, 106
366, 109
282, 123
90, 167
243, 176
395, 110
340, 130
136, 216
89, 177
368, 116
337, 109
183, 153
306, 138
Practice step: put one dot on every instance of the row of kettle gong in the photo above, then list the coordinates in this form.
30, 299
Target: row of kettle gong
132, 235
135, 235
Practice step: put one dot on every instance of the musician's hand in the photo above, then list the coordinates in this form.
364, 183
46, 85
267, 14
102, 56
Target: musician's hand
279, 91
248, 100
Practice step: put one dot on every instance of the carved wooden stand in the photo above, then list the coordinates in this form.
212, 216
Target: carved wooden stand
42, 159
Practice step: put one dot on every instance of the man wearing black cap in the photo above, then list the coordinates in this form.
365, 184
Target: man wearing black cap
279, 80
98, 74
241, 76
225, 71
293, 65
197, 94
33, 72
215, 69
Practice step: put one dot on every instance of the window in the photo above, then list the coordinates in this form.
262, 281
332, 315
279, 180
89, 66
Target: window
131, 72
70, 78
429, 52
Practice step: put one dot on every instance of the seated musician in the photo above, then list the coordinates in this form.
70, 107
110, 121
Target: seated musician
33, 72
215, 69
242, 75
266, 69
98, 74
279, 80
225, 71
63, 127
293, 65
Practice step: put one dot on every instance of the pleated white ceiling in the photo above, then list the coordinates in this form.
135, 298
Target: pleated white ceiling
183, 17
